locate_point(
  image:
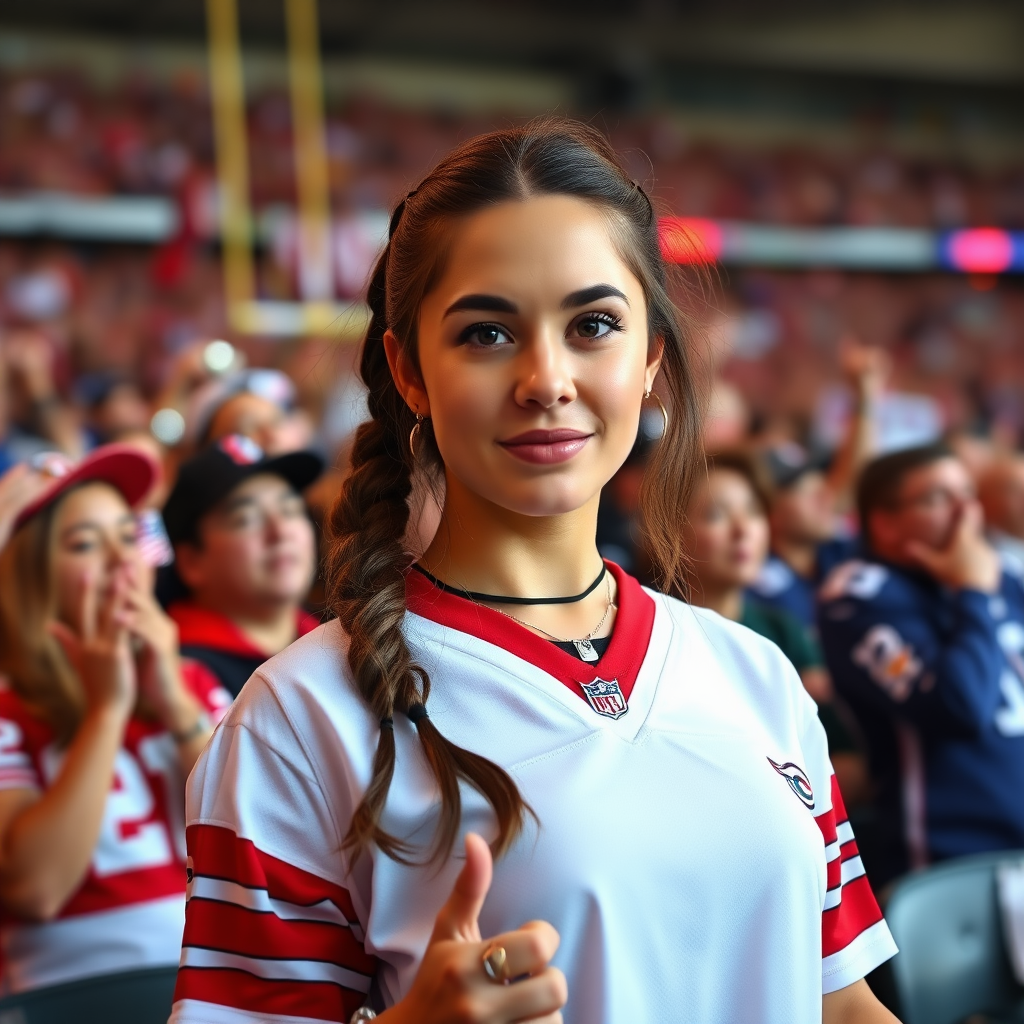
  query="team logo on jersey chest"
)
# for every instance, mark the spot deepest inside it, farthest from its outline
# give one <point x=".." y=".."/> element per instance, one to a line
<point x="605" y="697"/>
<point x="798" y="781"/>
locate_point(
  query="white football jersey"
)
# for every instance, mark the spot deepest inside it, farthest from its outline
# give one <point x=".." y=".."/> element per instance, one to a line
<point x="692" y="849"/>
<point x="129" y="908"/>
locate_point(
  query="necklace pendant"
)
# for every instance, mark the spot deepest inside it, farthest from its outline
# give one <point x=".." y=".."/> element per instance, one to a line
<point x="586" y="649"/>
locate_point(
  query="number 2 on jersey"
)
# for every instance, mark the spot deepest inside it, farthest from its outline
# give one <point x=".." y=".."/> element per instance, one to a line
<point x="127" y="841"/>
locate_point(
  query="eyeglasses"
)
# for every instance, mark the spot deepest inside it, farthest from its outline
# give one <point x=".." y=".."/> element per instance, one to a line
<point x="935" y="498"/>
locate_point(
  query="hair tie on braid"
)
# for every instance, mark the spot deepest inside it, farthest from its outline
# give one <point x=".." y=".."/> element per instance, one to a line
<point x="396" y="217"/>
<point x="387" y="723"/>
<point x="647" y="198"/>
<point x="416" y="713"/>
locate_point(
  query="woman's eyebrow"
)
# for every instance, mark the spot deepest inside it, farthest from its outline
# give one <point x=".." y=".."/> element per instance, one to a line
<point x="128" y="519"/>
<point x="592" y="294"/>
<point x="75" y="527"/>
<point x="487" y="303"/>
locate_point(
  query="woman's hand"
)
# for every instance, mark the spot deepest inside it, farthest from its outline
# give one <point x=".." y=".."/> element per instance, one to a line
<point x="97" y="645"/>
<point x="452" y="987"/>
<point x="155" y="638"/>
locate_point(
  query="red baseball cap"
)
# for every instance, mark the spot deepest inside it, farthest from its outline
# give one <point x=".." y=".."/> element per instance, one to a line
<point x="127" y="469"/>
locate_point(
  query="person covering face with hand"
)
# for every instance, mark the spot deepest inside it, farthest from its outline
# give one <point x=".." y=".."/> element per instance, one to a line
<point x="924" y="639"/>
<point x="424" y="810"/>
<point x="100" y="723"/>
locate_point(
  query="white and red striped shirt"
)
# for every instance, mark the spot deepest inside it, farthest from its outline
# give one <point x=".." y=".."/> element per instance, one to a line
<point x="692" y="849"/>
<point x="128" y="911"/>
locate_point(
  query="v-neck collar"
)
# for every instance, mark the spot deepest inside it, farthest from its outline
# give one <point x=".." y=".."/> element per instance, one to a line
<point x="634" y="623"/>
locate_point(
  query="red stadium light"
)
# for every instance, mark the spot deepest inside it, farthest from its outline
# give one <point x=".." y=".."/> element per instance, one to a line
<point x="980" y="250"/>
<point x="689" y="239"/>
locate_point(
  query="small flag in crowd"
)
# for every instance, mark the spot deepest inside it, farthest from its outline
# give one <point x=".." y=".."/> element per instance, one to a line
<point x="154" y="546"/>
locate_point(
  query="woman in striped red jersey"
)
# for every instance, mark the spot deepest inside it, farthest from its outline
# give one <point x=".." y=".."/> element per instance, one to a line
<point x="651" y="779"/>
<point x="100" y="723"/>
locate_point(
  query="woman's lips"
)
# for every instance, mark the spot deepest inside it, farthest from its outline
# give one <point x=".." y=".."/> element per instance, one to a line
<point x="546" y="447"/>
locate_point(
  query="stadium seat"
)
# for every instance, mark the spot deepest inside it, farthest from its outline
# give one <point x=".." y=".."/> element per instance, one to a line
<point x="134" y="997"/>
<point x="952" y="963"/>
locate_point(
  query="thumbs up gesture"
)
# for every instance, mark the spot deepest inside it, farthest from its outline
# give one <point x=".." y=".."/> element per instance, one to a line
<point x="453" y="987"/>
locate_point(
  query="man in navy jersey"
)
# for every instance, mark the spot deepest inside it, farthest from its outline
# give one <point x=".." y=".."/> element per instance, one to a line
<point x="925" y="640"/>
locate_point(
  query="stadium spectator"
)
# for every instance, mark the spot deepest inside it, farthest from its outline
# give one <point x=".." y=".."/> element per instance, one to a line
<point x="244" y="553"/>
<point x="726" y="545"/>
<point x="112" y="406"/>
<point x="924" y="641"/>
<point x="1001" y="493"/>
<point x="807" y="499"/>
<point x="100" y="723"/>
<point x="258" y="404"/>
<point x="33" y="416"/>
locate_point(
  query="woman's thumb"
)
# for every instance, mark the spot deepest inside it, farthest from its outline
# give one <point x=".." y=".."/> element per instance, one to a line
<point x="457" y="919"/>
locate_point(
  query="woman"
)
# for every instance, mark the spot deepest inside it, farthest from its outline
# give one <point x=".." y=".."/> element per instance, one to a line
<point x="100" y="724"/>
<point x="727" y="541"/>
<point x="652" y="780"/>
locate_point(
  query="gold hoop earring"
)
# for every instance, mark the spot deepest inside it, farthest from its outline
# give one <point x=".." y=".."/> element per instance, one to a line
<point x="413" y="434"/>
<point x="661" y="407"/>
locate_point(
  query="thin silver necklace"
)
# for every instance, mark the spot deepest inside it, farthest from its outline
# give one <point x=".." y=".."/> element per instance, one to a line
<point x="583" y="645"/>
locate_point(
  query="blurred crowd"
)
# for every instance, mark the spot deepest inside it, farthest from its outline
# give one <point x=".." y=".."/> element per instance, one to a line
<point x="59" y="132"/>
<point x="160" y="489"/>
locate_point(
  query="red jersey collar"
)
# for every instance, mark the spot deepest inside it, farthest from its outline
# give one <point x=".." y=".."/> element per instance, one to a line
<point x="202" y="627"/>
<point x="631" y="636"/>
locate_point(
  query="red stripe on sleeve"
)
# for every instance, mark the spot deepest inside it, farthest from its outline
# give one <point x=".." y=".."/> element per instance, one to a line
<point x="857" y="912"/>
<point x="233" y="929"/>
<point x="218" y="853"/>
<point x="858" y="909"/>
<point x="260" y="996"/>
<point x="826" y="822"/>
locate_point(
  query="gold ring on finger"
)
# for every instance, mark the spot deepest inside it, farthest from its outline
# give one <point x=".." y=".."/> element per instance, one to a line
<point x="494" y="962"/>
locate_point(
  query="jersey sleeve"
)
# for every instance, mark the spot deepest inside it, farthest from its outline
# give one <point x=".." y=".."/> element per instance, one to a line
<point x="271" y="932"/>
<point x="17" y="768"/>
<point x="884" y="650"/>
<point x="854" y="937"/>
<point x="207" y="688"/>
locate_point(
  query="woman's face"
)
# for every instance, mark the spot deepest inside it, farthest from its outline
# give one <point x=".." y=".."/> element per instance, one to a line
<point x="94" y="534"/>
<point x="534" y="357"/>
<point x="728" y="532"/>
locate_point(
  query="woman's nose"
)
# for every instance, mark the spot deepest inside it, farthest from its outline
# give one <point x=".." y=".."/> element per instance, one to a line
<point x="545" y="370"/>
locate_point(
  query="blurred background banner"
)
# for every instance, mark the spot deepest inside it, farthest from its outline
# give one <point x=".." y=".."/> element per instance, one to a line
<point x="172" y="173"/>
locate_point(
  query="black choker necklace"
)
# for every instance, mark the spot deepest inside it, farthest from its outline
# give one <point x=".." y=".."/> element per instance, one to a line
<point x="497" y="599"/>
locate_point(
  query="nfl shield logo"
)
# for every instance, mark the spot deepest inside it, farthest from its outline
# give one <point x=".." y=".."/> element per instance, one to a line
<point x="605" y="697"/>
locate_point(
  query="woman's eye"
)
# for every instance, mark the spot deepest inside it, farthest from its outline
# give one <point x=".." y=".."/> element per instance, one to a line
<point x="485" y="335"/>
<point x="597" y="326"/>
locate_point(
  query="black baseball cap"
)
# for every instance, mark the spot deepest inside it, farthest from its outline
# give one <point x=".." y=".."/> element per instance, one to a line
<point x="209" y="477"/>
